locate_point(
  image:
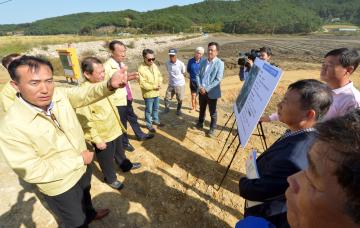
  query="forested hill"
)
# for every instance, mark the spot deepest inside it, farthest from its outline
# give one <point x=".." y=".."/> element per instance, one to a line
<point x="243" y="16"/>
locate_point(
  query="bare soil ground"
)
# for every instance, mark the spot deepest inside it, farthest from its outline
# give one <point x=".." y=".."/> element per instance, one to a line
<point x="176" y="187"/>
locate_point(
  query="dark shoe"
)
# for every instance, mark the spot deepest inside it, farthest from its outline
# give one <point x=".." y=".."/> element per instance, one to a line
<point x="101" y="213"/>
<point x="159" y="124"/>
<point x="126" y="165"/>
<point x="129" y="148"/>
<point x="151" y="129"/>
<point x="199" y="126"/>
<point x="146" y="137"/>
<point x="136" y="165"/>
<point x="211" y="133"/>
<point x="117" y="185"/>
<point x="178" y="112"/>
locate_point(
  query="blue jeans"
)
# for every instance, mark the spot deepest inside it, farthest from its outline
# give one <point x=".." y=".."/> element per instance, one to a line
<point x="151" y="111"/>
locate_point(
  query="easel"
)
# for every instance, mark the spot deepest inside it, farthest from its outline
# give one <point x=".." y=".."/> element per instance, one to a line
<point x="221" y="156"/>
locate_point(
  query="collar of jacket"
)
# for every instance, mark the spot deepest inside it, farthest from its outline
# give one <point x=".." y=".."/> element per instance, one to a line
<point x="86" y="82"/>
<point x="213" y="60"/>
<point x="113" y="63"/>
<point x="28" y="114"/>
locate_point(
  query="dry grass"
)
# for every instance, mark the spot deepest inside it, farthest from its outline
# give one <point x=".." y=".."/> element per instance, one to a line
<point x="4" y="76"/>
<point x="337" y="26"/>
<point x="187" y="37"/>
<point x="20" y="44"/>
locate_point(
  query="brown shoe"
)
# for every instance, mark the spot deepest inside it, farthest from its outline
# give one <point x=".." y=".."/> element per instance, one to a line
<point x="101" y="213"/>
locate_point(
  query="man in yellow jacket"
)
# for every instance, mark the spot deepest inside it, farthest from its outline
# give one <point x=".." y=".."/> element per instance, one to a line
<point x="42" y="140"/>
<point x="123" y="97"/>
<point x="103" y="128"/>
<point x="150" y="80"/>
<point x="7" y="92"/>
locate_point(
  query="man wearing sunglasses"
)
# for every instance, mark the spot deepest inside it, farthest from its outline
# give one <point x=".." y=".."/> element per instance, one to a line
<point x="150" y="80"/>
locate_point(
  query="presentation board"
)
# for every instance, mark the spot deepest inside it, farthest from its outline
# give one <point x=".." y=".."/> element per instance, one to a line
<point x="254" y="97"/>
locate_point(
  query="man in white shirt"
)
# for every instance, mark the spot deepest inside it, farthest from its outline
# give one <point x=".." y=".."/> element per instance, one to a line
<point x="339" y="64"/>
<point x="176" y="70"/>
<point x="336" y="69"/>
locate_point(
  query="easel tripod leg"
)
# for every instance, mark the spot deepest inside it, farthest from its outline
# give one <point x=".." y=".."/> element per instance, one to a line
<point x="227" y="139"/>
<point x="228" y="148"/>
<point x="222" y="129"/>
<point x="228" y="168"/>
<point x="263" y="135"/>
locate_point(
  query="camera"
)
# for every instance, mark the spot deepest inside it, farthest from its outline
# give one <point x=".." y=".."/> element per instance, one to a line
<point x="244" y="63"/>
<point x="252" y="55"/>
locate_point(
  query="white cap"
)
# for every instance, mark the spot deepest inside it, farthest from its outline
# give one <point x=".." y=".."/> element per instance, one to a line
<point x="200" y="50"/>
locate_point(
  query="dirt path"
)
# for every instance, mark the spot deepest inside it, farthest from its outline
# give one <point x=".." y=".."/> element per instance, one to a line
<point x="176" y="185"/>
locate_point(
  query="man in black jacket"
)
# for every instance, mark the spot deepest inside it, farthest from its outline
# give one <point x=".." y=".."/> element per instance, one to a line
<point x="305" y="102"/>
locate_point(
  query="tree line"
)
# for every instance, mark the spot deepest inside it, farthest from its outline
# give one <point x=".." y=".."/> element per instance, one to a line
<point x="242" y="16"/>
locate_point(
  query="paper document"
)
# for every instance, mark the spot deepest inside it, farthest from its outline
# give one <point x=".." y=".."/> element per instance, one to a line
<point x="252" y="173"/>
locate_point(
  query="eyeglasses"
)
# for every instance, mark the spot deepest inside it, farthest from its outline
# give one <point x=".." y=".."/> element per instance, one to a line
<point x="151" y="59"/>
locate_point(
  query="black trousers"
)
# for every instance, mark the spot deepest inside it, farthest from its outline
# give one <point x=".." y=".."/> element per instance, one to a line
<point x="114" y="150"/>
<point x="74" y="207"/>
<point x="204" y="100"/>
<point x="126" y="114"/>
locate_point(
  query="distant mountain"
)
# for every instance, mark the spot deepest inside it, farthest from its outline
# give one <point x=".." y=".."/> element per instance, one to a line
<point x="243" y="16"/>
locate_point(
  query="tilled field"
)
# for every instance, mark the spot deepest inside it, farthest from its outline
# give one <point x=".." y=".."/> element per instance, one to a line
<point x="290" y="53"/>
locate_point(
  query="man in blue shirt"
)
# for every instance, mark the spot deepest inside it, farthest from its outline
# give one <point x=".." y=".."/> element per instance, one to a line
<point x="193" y="68"/>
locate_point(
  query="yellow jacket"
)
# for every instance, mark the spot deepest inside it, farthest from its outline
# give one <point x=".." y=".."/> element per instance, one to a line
<point x="100" y="120"/>
<point x="40" y="151"/>
<point x="149" y="78"/>
<point x="119" y="98"/>
<point x="7" y="96"/>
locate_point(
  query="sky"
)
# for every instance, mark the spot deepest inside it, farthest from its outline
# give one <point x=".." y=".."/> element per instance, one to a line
<point x="23" y="11"/>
